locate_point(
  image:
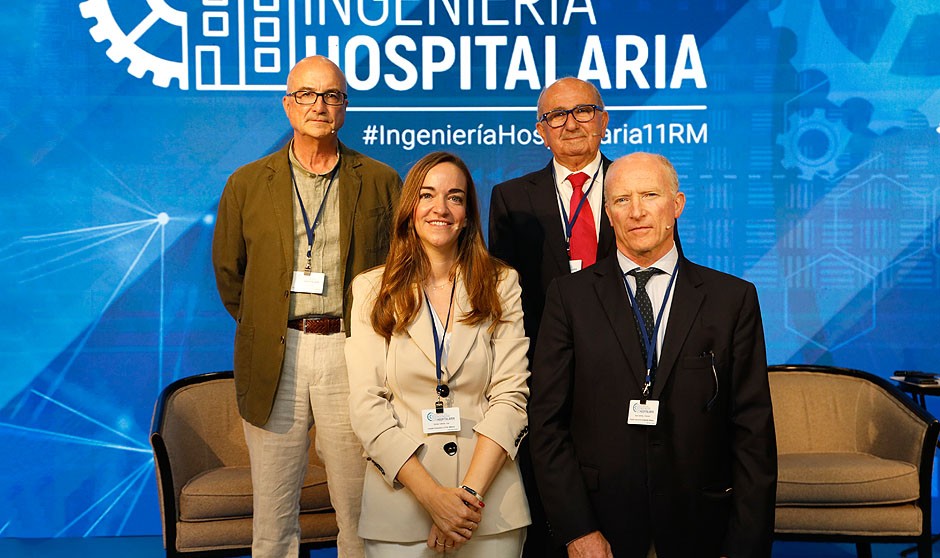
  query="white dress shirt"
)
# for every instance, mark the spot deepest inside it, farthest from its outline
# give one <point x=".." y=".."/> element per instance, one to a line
<point x="655" y="288"/>
<point x="595" y="195"/>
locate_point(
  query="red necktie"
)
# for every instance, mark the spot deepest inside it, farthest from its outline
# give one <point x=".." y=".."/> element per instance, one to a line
<point x="583" y="239"/>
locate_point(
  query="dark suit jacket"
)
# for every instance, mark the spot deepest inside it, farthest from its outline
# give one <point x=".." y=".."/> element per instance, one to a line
<point x="702" y="481"/>
<point x="526" y="231"/>
<point x="253" y="257"/>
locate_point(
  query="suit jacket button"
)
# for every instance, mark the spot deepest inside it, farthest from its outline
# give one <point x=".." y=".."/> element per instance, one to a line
<point x="450" y="448"/>
<point x="282" y="340"/>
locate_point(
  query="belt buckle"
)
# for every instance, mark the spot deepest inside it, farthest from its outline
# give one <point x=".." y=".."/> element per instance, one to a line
<point x="311" y="321"/>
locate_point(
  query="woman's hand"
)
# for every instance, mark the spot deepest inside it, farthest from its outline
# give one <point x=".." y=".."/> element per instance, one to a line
<point x="455" y="514"/>
<point x="437" y="541"/>
<point x="441" y="543"/>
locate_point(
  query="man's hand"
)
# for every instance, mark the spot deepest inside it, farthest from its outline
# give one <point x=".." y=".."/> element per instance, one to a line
<point x="592" y="545"/>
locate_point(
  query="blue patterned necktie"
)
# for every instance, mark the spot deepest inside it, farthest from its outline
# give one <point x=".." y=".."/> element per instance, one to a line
<point x="643" y="304"/>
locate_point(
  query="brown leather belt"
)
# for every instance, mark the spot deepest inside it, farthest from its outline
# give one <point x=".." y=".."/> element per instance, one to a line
<point x="322" y="325"/>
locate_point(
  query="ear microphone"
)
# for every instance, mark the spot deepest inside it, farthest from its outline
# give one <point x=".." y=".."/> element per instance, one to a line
<point x="668" y="227"/>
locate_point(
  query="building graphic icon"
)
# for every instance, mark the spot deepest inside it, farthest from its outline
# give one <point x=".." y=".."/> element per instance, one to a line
<point x="224" y="45"/>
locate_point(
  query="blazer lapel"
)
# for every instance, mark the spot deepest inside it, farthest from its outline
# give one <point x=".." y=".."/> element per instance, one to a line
<point x="421" y="333"/>
<point x="462" y="336"/>
<point x="686" y="304"/>
<point x="605" y="237"/>
<point x="281" y="190"/>
<point x="613" y="299"/>
<point x="544" y="200"/>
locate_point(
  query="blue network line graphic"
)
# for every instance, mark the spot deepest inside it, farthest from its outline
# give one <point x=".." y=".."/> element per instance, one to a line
<point x="134" y="480"/>
<point x="121" y="488"/>
<point x="47" y="257"/>
<point x="95" y="237"/>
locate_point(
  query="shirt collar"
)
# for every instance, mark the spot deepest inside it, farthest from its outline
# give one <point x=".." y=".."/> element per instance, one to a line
<point x="295" y="162"/>
<point x="562" y="172"/>
<point x="665" y="264"/>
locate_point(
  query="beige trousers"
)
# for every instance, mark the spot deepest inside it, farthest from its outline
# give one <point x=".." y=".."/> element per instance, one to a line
<point x="314" y="389"/>
<point x="501" y="545"/>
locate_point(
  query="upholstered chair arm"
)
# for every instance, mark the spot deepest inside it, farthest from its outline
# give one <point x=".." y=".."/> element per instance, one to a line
<point x="888" y="427"/>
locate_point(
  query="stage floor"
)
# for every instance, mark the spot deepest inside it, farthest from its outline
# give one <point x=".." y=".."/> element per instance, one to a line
<point x="152" y="547"/>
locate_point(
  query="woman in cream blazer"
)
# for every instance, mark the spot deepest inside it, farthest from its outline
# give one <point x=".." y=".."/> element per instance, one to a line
<point x="456" y="492"/>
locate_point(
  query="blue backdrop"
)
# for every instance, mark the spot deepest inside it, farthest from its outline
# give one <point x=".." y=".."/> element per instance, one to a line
<point x="805" y="133"/>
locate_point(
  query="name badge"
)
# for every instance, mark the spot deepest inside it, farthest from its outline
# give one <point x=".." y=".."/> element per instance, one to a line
<point x="574" y="265"/>
<point x="304" y="283"/>
<point x="435" y="423"/>
<point x="643" y="414"/>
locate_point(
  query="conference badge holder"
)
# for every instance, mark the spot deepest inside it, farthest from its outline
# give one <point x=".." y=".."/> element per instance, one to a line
<point x="440" y="419"/>
<point x="311" y="282"/>
<point x="643" y="412"/>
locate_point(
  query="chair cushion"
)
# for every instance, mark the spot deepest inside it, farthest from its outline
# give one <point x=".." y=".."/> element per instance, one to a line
<point x="225" y="493"/>
<point x="840" y="479"/>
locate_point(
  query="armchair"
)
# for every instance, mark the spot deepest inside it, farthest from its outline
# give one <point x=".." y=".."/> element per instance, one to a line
<point x="203" y="475"/>
<point x="855" y="458"/>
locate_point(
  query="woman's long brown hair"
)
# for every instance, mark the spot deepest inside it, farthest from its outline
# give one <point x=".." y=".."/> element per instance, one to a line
<point x="407" y="265"/>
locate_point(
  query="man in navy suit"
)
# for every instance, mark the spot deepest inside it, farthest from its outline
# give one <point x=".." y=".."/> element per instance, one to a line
<point x="536" y="226"/>
<point x="651" y="426"/>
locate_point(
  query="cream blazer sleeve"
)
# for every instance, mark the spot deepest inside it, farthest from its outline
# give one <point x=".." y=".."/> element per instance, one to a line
<point x="506" y="422"/>
<point x="371" y="412"/>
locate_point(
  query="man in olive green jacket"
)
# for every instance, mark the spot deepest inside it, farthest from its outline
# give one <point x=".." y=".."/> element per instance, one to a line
<point x="293" y="229"/>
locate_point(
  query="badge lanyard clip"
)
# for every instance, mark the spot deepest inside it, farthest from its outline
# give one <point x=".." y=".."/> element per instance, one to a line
<point x="441" y="389"/>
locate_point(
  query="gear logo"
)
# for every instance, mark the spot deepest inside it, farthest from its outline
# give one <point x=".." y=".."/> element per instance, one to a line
<point x="813" y="143"/>
<point x="124" y="43"/>
<point x="215" y="45"/>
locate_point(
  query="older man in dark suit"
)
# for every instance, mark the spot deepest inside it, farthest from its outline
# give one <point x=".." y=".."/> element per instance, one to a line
<point x="650" y="416"/>
<point x="550" y="222"/>
<point x="535" y="224"/>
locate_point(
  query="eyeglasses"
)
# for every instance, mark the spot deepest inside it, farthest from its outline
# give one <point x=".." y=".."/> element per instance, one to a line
<point x="581" y="113"/>
<point x="308" y="97"/>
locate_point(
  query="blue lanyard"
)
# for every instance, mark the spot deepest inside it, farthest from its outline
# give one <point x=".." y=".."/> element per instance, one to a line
<point x="438" y="342"/>
<point x="649" y="342"/>
<point x="303" y="210"/>
<point x="569" y="225"/>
